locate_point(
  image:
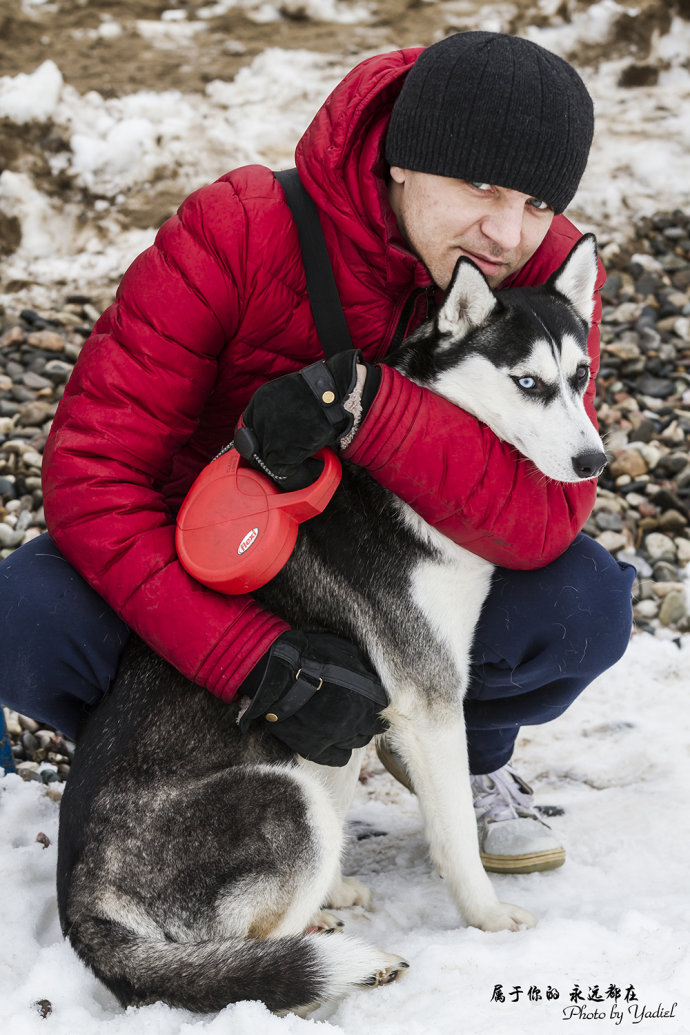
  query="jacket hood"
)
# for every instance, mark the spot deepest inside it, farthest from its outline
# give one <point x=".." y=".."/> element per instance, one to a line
<point x="341" y="162"/>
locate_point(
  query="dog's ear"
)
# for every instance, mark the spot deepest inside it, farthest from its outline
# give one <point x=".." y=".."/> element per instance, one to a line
<point x="576" y="277"/>
<point x="468" y="301"/>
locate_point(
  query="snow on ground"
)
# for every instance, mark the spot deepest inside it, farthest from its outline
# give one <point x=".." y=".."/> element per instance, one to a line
<point x="617" y="914"/>
<point x="119" y="146"/>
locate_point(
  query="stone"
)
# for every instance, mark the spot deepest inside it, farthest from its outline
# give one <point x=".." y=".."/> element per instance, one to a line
<point x="32" y="459"/>
<point x="27" y="723"/>
<point x="673" y="608"/>
<point x="629" y="462"/>
<point x="662" y="589"/>
<point x="650" y="452"/>
<point x="646" y="509"/>
<point x="623" y="350"/>
<point x="28" y="770"/>
<point x="35" y="413"/>
<point x="644" y="432"/>
<point x="609" y="522"/>
<point x="33" y="380"/>
<point x="13" y="336"/>
<point x="667" y="500"/>
<point x="660" y="547"/>
<point x="30" y="743"/>
<point x="646" y="588"/>
<point x="683" y="551"/>
<point x="646" y="609"/>
<point x="612" y="541"/>
<point x="672" y="521"/>
<point x="657" y="387"/>
<point x="681" y="327"/>
<point x="51" y="341"/>
<point x="57" y="370"/>
<point x="12" y="722"/>
<point x="9" y="537"/>
<point x="664" y="571"/>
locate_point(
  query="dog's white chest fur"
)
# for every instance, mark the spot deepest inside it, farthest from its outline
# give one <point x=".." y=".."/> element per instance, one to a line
<point x="449" y="590"/>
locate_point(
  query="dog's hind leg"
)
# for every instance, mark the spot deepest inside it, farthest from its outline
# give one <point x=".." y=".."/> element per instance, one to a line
<point x="223" y="918"/>
<point x="339" y="782"/>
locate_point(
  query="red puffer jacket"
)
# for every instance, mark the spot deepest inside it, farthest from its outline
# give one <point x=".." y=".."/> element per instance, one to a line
<point x="217" y="306"/>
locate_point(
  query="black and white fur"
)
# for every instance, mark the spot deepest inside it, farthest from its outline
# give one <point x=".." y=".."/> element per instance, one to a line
<point x="194" y="862"/>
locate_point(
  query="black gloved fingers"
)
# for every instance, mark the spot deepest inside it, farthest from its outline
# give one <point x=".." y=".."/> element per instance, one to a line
<point x="319" y="695"/>
<point x="329" y="726"/>
<point x="291" y="418"/>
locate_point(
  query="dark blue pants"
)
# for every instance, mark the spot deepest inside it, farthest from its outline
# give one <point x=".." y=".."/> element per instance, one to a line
<point x="542" y="638"/>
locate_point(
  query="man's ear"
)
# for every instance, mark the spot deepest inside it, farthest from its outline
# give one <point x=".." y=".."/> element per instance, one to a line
<point x="468" y="302"/>
<point x="397" y="174"/>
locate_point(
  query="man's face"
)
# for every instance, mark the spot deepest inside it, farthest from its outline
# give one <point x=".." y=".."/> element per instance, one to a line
<point x="442" y="218"/>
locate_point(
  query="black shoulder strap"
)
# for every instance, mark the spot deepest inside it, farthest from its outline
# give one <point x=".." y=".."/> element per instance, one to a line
<point x="321" y="287"/>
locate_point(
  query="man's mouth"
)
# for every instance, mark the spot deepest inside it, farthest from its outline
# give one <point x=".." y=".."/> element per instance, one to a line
<point x="490" y="267"/>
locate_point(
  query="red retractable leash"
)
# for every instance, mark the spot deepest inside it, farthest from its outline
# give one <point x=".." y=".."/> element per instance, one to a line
<point x="236" y="529"/>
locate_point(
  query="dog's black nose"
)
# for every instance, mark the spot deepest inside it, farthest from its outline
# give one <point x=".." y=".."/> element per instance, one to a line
<point x="589" y="465"/>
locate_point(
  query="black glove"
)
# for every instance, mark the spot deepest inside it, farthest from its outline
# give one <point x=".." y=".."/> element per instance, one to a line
<point x="290" y="419"/>
<point x="319" y="696"/>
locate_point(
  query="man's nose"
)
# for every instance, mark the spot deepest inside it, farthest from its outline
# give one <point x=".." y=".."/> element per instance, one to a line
<point x="504" y="224"/>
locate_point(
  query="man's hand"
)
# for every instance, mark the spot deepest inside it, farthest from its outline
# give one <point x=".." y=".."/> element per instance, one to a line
<point x="290" y="419"/>
<point x="319" y="696"/>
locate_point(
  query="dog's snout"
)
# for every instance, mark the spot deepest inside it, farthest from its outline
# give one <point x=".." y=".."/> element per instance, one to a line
<point x="590" y="464"/>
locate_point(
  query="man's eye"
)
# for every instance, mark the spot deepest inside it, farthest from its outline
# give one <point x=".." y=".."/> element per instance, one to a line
<point x="482" y="186"/>
<point x="541" y="206"/>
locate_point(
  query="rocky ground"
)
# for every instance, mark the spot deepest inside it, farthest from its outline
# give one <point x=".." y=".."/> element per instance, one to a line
<point x="642" y="513"/>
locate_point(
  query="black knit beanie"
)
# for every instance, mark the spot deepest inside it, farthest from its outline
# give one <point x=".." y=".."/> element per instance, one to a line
<point x="492" y="108"/>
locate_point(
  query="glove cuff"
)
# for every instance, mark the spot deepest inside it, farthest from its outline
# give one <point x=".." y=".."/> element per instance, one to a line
<point x="329" y="393"/>
<point x="291" y="679"/>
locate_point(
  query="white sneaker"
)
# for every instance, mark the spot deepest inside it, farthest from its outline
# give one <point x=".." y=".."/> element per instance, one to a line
<point x="512" y="836"/>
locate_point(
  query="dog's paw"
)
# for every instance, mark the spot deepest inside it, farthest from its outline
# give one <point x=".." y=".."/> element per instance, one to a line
<point x="392" y="967"/>
<point x="324" y="923"/>
<point x="506" y="918"/>
<point x="348" y="891"/>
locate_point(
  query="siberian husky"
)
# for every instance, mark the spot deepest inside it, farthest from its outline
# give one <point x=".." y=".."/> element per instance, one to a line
<point x="194" y="861"/>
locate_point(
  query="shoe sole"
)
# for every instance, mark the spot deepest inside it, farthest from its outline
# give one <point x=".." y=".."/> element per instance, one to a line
<point x="533" y="863"/>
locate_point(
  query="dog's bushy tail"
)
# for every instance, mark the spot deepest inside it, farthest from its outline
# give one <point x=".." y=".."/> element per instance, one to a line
<point x="204" y="977"/>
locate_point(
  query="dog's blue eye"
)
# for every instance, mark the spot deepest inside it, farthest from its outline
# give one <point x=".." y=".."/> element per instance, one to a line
<point x="527" y="382"/>
<point x="583" y="374"/>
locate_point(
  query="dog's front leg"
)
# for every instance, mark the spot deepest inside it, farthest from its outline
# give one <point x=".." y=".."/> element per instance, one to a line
<point x="434" y="750"/>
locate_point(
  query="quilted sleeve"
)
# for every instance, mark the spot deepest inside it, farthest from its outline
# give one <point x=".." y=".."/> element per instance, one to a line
<point x="464" y="481"/>
<point x="134" y="399"/>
